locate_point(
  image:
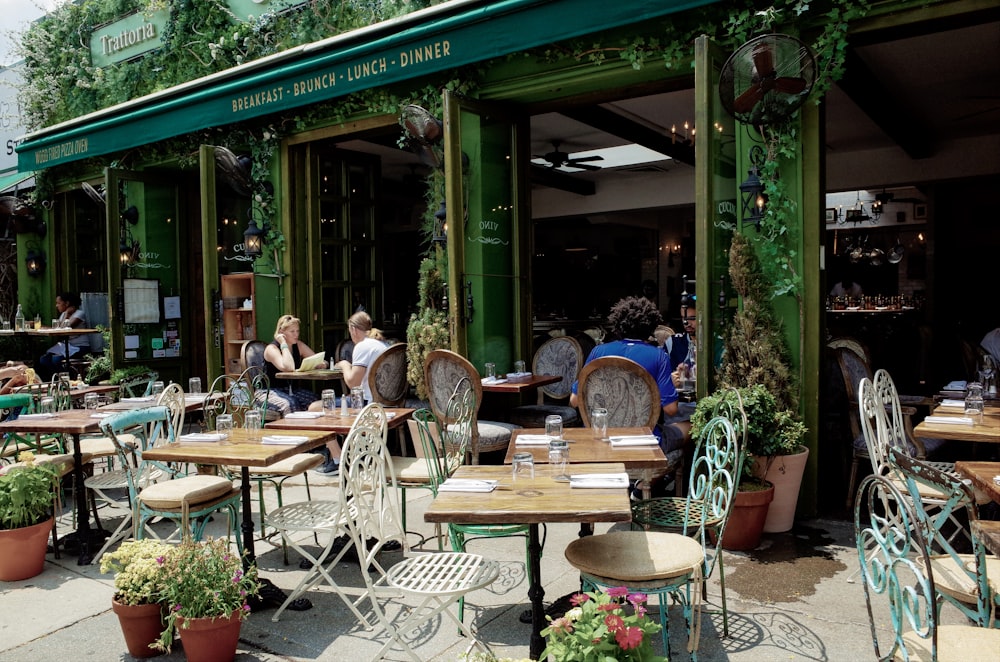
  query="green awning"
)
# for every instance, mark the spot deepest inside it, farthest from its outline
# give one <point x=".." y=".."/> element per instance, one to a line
<point x="428" y="41"/>
<point x="10" y="181"/>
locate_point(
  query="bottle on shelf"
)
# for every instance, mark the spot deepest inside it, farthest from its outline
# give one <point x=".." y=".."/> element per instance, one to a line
<point x="19" y="319"/>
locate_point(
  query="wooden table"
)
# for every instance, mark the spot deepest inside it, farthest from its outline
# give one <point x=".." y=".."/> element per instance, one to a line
<point x="988" y="431"/>
<point x="192" y="403"/>
<point x="73" y="422"/>
<point x="323" y="375"/>
<point x="508" y="395"/>
<point x="244" y="453"/>
<point x="982" y="474"/>
<point x="643" y="463"/>
<point x="517" y="388"/>
<point x="396" y="417"/>
<point x="543" y="500"/>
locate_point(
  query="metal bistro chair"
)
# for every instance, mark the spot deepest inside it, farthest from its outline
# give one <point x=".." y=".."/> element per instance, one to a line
<point x="969" y="581"/>
<point x="671" y="564"/>
<point x="895" y="563"/>
<point x="557" y="356"/>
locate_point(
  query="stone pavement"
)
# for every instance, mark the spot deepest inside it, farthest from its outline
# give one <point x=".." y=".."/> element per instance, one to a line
<point x="790" y="599"/>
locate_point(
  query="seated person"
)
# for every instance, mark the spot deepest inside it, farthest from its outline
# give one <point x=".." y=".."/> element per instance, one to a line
<point x="632" y="320"/>
<point x="14" y="376"/>
<point x="285" y="354"/>
<point x="70" y="316"/>
<point x="991" y="344"/>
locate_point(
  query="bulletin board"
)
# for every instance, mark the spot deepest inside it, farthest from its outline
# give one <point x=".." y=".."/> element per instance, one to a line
<point x="142" y="300"/>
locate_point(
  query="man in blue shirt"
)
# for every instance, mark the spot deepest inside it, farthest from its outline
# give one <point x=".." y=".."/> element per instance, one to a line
<point x="632" y="320"/>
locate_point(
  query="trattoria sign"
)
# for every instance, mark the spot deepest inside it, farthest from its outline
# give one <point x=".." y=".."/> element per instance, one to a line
<point x="128" y="37"/>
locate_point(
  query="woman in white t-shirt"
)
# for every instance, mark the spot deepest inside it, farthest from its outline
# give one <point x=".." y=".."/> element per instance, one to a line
<point x="369" y="343"/>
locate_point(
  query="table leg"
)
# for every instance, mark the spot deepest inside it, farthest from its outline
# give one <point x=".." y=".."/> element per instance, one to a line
<point x="536" y="593"/>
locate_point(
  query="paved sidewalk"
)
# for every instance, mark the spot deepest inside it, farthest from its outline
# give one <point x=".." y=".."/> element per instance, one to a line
<point x="789" y="600"/>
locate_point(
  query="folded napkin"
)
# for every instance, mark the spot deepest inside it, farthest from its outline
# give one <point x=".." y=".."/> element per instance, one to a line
<point x="635" y="440"/>
<point x="144" y="398"/>
<point x="390" y="414"/>
<point x="304" y="414"/>
<point x="599" y="480"/>
<point x="957" y="385"/>
<point x="532" y="440"/>
<point x="28" y="417"/>
<point x="493" y="380"/>
<point x="202" y="436"/>
<point x="952" y="402"/>
<point x="949" y="420"/>
<point x="467" y="485"/>
<point x="283" y="439"/>
<point x="99" y="415"/>
<point x="195" y="396"/>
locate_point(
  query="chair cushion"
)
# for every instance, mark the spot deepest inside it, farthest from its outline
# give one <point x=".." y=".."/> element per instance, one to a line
<point x="292" y="466"/>
<point x="412" y="470"/>
<point x="630" y="556"/>
<point x="64" y="462"/>
<point x="494" y="435"/>
<point x="955" y="642"/>
<point x="533" y="416"/>
<point x="192" y="489"/>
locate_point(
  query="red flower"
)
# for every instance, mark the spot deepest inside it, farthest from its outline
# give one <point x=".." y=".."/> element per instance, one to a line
<point x="614" y="622"/>
<point x="579" y="599"/>
<point x="629" y="638"/>
<point x="611" y="606"/>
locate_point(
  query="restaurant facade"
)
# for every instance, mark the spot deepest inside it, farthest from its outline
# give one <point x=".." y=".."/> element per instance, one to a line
<point x="159" y="202"/>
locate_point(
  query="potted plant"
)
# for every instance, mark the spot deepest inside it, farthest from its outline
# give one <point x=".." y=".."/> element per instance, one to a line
<point x="771" y="432"/>
<point x="27" y="495"/>
<point x="205" y="592"/>
<point x="139" y="580"/>
<point x="603" y="625"/>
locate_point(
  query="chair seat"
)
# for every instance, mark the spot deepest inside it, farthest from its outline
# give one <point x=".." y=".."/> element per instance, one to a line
<point x="635" y="556"/>
<point x="494" y="435"/>
<point x="955" y="643"/>
<point x="533" y="416"/>
<point x="411" y="471"/>
<point x="291" y="466"/>
<point x="190" y="489"/>
<point x="104" y="446"/>
<point x="64" y="462"/>
<point x="307" y="516"/>
<point x="954" y="581"/>
<point x="443" y="574"/>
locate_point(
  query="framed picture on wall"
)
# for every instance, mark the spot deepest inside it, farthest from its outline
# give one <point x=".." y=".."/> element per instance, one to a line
<point x="831" y="215"/>
<point x="919" y="211"/>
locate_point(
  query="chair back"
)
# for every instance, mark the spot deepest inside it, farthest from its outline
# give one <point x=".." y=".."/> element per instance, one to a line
<point x="445" y="446"/>
<point x="247" y="392"/>
<point x="894" y="558"/>
<point x="151" y="426"/>
<point x="252" y="355"/>
<point x="624" y="388"/>
<point x="892" y="411"/>
<point x="215" y="402"/>
<point x="447" y="373"/>
<point x="172" y="398"/>
<point x="387" y="376"/>
<point x="874" y="426"/>
<point x="558" y="356"/>
<point x="853" y="368"/>
<point x="715" y="473"/>
<point x="951" y="496"/>
<point x="139" y="385"/>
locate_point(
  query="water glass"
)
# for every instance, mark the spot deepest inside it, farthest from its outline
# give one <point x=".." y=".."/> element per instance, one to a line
<point x="90" y="401"/>
<point x="194" y="385"/>
<point x="329" y="402"/>
<point x="599" y="423"/>
<point x="357" y="397"/>
<point x="156" y="389"/>
<point x="974" y="404"/>
<point x="224" y="426"/>
<point x="47" y="405"/>
<point x="518" y="366"/>
<point x="6" y="325"/>
<point x="491" y="371"/>
<point x="523" y="465"/>
<point x="252" y="423"/>
<point x="559" y="458"/>
<point x="55" y="323"/>
<point x="554" y="427"/>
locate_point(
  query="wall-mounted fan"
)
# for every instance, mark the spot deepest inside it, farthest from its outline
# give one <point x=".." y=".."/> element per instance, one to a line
<point x="423" y="134"/>
<point x="235" y="170"/>
<point x="767" y="79"/>
<point x="559" y="159"/>
<point x="97" y="197"/>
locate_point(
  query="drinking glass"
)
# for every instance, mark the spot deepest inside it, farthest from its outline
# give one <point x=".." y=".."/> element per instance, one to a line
<point x="156" y="389"/>
<point x="252" y="423"/>
<point x="47" y="405"/>
<point x="559" y="458"/>
<point x="224" y="426"/>
<point x="357" y="397"/>
<point x="974" y="404"/>
<point x="194" y="385"/>
<point x="554" y="427"/>
<point x="55" y="323"/>
<point x="90" y="401"/>
<point x="523" y="465"/>
<point x="491" y="371"/>
<point x="329" y="402"/>
<point x="6" y="325"/>
<point x="519" y="366"/>
<point x="599" y="423"/>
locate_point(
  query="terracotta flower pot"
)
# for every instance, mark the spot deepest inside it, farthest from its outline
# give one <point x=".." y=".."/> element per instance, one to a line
<point x="22" y="551"/>
<point x="141" y="625"/>
<point x="746" y="521"/>
<point x="210" y="639"/>
<point x="785" y="473"/>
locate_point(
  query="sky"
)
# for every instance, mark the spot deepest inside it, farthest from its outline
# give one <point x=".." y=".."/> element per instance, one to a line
<point x="15" y="15"/>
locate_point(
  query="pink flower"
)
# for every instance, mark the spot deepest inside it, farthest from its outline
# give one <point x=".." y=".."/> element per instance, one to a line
<point x="562" y="626"/>
<point x="614" y="622"/>
<point x="638" y="598"/>
<point x="579" y="599"/>
<point x="617" y="591"/>
<point x="629" y="638"/>
<point x="640" y="611"/>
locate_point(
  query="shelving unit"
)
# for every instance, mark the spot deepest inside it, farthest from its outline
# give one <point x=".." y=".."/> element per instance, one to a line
<point x="239" y="323"/>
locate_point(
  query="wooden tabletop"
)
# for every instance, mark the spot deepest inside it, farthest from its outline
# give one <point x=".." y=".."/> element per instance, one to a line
<point x="542" y="500"/>
<point x="69" y="421"/>
<point x="338" y="424"/>
<point x="58" y="333"/>
<point x="520" y="387"/>
<point x="319" y="375"/>
<point x="988" y="431"/>
<point x="192" y="403"/>
<point x="583" y="447"/>
<point x="240" y="452"/>
<point x="981" y="474"/>
<point x="989" y="532"/>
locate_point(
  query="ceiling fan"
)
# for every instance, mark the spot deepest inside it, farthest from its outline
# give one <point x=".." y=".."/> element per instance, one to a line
<point x="559" y="159"/>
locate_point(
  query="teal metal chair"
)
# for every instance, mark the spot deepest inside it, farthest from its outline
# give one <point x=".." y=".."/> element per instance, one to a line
<point x="899" y="581"/>
<point x="671" y="565"/>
